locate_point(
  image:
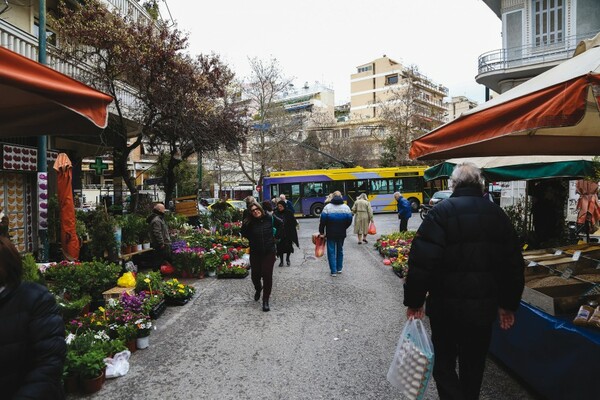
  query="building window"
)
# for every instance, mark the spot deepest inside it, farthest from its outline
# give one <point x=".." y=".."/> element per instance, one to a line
<point x="391" y="79"/>
<point x="346" y="133"/>
<point x="365" y="68"/>
<point x="336" y="134"/>
<point x="548" y="21"/>
<point x="50" y="35"/>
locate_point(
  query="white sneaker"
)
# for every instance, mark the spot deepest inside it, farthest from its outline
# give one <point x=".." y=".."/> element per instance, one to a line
<point x="339" y="272"/>
<point x="333" y="274"/>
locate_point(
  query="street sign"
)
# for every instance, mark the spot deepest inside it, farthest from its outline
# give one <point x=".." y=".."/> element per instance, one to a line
<point x="154" y="181"/>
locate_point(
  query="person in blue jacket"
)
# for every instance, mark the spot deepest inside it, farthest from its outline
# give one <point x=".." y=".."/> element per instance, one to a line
<point x="336" y="218"/>
<point x="404" y="211"/>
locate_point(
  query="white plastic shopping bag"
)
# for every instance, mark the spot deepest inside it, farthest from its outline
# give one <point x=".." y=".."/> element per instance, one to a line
<point x="412" y="365"/>
<point x="118" y="365"/>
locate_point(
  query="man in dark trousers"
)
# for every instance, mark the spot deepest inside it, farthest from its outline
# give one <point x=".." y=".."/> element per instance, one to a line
<point x="159" y="233"/>
<point x="404" y="211"/>
<point x="466" y="263"/>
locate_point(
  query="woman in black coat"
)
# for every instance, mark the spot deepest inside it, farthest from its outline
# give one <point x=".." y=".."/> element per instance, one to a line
<point x="258" y="229"/>
<point x="290" y="235"/>
<point x="32" y="334"/>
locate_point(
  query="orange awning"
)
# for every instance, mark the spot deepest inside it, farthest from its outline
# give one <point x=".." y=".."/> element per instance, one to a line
<point x="37" y="100"/>
<point x="555" y="113"/>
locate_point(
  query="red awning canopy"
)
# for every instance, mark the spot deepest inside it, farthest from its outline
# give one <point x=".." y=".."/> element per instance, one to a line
<point x="37" y="100"/>
<point x="555" y="113"/>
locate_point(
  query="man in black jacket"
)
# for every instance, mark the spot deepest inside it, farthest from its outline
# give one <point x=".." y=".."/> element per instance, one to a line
<point x="467" y="262"/>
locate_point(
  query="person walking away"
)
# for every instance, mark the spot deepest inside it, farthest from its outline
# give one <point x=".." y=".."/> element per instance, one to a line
<point x="258" y="229"/>
<point x="290" y="234"/>
<point x="363" y="216"/>
<point x="249" y="200"/>
<point x="335" y="219"/>
<point x="268" y="207"/>
<point x="32" y="334"/>
<point x="466" y="263"/>
<point x="159" y="233"/>
<point x="4" y="227"/>
<point x="404" y="211"/>
<point x="288" y="203"/>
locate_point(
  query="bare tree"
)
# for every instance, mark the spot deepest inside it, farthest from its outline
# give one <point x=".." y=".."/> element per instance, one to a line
<point x="270" y="125"/>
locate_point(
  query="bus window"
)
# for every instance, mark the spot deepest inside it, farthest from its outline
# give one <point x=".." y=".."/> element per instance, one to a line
<point x="381" y="186"/>
<point x="314" y="189"/>
<point x="292" y="193"/>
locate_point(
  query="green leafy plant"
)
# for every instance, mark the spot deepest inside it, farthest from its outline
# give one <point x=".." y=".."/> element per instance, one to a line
<point x="173" y="289"/>
<point x="102" y="232"/>
<point x="31" y="273"/>
<point x="73" y="308"/>
<point x="91" y="364"/>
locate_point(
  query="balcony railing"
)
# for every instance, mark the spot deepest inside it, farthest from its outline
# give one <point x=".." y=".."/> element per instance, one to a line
<point x="524" y="56"/>
<point x="129" y="7"/>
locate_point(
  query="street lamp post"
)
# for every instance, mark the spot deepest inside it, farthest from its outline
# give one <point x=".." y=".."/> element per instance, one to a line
<point x="42" y="141"/>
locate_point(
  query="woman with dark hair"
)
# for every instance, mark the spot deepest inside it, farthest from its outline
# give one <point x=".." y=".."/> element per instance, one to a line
<point x="258" y="229"/>
<point x="267" y="206"/>
<point x="290" y="235"/>
<point x="32" y="334"/>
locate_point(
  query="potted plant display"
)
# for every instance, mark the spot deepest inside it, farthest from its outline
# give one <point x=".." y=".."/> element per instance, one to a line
<point x="177" y="293"/>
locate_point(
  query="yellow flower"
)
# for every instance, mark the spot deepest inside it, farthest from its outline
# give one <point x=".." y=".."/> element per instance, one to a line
<point x="101" y="309"/>
<point x="180" y="286"/>
<point x="181" y="291"/>
<point x="175" y="280"/>
<point x="147" y="280"/>
<point x="170" y="283"/>
<point x="98" y="323"/>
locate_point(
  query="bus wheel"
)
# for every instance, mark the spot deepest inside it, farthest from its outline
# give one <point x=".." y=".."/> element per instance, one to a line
<point x="414" y="204"/>
<point x="316" y="209"/>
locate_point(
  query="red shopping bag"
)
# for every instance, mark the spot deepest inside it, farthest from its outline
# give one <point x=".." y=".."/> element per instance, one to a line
<point x="372" y="230"/>
<point x="319" y="246"/>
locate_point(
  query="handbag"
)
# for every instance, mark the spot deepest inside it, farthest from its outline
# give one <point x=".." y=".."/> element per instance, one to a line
<point x="372" y="230"/>
<point x="319" y="246"/>
<point x="412" y="365"/>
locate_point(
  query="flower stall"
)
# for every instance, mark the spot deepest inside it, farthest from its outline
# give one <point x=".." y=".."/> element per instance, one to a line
<point x="395" y="249"/>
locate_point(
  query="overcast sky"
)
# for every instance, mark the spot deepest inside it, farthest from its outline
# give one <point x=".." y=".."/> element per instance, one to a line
<point x="325" y="40"/>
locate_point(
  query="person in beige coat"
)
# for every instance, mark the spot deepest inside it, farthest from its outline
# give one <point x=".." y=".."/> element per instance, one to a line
<point x="363" y="215"/>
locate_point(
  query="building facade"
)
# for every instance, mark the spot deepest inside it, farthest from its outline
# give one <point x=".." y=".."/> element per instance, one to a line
<point x="536" y="36"/>
<point x="457" y="106"/>
<point x="378" y="81"/>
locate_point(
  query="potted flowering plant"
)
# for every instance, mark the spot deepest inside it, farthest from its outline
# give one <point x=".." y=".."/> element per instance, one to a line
<point x="144" y="327"/>
<point x="236" y="269"/>
<point x="177" y="293"/>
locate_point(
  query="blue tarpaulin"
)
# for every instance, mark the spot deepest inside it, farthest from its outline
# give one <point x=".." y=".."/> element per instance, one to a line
<point x="559" y="360"/>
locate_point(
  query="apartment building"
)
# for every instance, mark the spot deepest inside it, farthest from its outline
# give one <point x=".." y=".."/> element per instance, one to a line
<point x="378" y="81"/>
<point x="536" y="36"/>
<point x="458" y="105"/>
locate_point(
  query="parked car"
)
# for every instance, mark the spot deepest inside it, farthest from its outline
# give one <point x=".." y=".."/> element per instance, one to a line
<point x="237" y="204"/>
<point x="439" y="196"/>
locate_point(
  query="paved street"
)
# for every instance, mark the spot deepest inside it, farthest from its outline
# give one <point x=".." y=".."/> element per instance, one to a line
<point x="325" y="337"/>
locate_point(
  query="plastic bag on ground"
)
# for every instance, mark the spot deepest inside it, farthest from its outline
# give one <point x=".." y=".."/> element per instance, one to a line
<point x="412" y="365"/>
<point x="118" y="365"/>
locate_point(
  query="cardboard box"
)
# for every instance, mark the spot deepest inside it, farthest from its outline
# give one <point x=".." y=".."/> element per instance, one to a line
<point x="558" y="300"/>
<point x="116" y="292"/>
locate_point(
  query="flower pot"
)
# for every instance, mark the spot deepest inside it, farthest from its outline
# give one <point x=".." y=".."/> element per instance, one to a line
<point x="145" y="246"/>
<point x="138" y="247"/>
<point x="212" y="273"/>
<point x="71" y="384"/>
<point x="142" y="342"/>
<point x="131" y="345"/>
<point x="89" y="386"/>
<point x="176" y="302"/>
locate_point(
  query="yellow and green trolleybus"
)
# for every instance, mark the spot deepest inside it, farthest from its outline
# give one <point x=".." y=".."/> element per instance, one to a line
<point x="307" y="189"/>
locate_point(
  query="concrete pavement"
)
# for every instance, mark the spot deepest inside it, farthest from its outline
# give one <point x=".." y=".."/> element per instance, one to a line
<point x="324" y="338"/>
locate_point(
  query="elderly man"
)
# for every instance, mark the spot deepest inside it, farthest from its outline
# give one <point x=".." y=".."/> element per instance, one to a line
<point x="159" y="233"/>
<point x="467" y="262"/>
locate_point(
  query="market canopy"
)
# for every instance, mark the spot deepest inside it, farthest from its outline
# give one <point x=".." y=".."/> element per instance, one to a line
<point x="37" y="100"/>
<point x="518" y="168"/>
<point x="554" y="113"/>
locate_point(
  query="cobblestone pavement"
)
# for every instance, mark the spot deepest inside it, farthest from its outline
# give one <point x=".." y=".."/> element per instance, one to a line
<point x="325" y="337"/>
